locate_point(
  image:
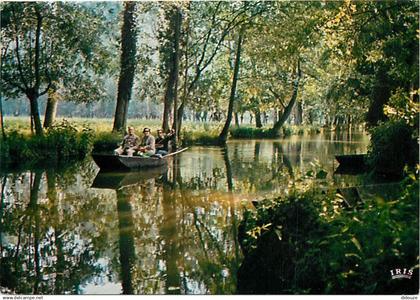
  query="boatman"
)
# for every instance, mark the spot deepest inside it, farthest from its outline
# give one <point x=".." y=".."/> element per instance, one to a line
<point x="162" y="143"/>
<point x="147" y="147"/>
<point x="129" y="143"/>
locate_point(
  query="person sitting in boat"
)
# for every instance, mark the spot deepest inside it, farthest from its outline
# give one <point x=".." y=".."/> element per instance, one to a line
<point x="162" y="143"/>
<point x="129" y="144"/>
<point x="147" y="146"/>
<point x="172" y="140"/>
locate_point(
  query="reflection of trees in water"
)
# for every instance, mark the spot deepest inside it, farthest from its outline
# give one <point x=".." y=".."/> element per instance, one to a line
<point x="44" y="249"/>
<point x="171" y="234"/>
<point x="182" y="240"/>
<point x="126" y="240"/>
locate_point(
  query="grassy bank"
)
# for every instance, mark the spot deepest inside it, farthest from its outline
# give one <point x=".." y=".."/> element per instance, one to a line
<point x="75" y="137"/>
<point x="267" y="133"/>
<point x="61" y="142"/>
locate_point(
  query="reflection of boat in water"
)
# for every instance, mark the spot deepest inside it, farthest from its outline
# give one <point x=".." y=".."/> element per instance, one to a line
<point x="116" y="180"/>
<point x="124" y="162"/>
<point x="351" y="164"/>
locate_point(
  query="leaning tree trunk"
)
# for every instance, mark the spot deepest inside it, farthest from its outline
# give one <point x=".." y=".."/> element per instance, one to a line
<point x="288" y="109"/>
<point x="127" y="66"/>
<point x="224" y="134"/>
<point x="51" y="109"/>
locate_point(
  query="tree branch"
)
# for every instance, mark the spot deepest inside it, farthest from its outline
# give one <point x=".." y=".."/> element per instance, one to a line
<point x="14" y="84"/>
<point x="277" y="96"/>
<point x="22" y="77"/>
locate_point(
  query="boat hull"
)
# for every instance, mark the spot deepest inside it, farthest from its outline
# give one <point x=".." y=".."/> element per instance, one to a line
<point x="123" y="162"/>
<point x="110" y="162"/>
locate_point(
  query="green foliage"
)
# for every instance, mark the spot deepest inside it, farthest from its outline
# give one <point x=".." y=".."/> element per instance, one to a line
<point x="250" y="133"/>
<point x="402" y="106"/>
<point x="106" y="141"/>
<point x="392" y="147"/>
<point x="265" y="133"/>
<point x="189" y="138"/>
<point x="308" y="243"/>
<point x="61" y="142"/>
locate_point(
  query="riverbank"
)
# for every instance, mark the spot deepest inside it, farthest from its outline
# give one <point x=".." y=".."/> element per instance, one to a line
<point x="313" y="242"/>
<point x="79" y="136"/>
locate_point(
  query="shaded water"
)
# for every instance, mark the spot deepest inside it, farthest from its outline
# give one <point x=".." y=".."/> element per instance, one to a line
<point x="166" y="231"/>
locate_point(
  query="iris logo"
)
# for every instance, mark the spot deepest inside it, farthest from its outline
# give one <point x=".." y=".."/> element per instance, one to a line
<point x="401" y="273"/>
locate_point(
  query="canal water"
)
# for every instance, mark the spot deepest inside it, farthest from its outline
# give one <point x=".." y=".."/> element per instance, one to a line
<point x="166" y="231"/>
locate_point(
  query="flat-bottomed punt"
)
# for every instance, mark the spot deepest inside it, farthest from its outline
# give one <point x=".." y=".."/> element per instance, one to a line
<point x="123" y="162"/>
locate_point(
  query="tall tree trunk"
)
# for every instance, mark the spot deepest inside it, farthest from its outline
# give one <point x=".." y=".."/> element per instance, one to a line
<point x="177" y="35"/>
<point x="288" y="109"/>
<point x="33" y="101"/>
<point x="224" y="134"/>
<point x="258" y="122"/>
<point x="51" y="109"/>
<point x="299" y="113"/>
<point x="3" y="133"/>
<point x="33" y="93"/>
<point x="173" y="63"/>
<point x="185" y="92"/>
<point x="127" y="66"/>
<point x="236" y="119"/>
<point x="380" y="96"/>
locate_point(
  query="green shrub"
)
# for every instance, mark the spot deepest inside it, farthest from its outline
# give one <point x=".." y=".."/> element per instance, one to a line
<point x="208" y="138"/>
<point x="60" y="142"/>
<point x="392" y="147"/>
<point x="287" y="131"/>
<point x="106" y="142"/>
<point x="250" y="133"/>
<point x="307" y="243"/>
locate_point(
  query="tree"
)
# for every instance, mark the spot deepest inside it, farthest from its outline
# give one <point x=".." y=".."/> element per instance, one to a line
<point x="170" y="51"/>
<point x="379" y="38"/>
<point x="127" y="66"/>
<point x="288" y="108"/>
<point x="47" y="43"/>
<point x="224" y="134"/>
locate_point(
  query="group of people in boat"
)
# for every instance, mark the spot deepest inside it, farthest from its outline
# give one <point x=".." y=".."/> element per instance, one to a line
<point x="147" y="146"/>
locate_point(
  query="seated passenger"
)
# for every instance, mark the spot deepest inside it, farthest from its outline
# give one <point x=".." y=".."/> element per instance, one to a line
<point x="171" y="136"/>
<point x="129" y="144"/>
<point x="147" y="146"/>
<point x="162" y="143"/>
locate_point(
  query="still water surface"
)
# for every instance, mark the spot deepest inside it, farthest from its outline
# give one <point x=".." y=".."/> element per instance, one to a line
<point x="166" y="231"/>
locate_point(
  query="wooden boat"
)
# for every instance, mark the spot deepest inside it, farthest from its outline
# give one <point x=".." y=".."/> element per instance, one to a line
<point x="116" y="180"/>
<point x="124" y="162"/>
<point x="352" y="162"/>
